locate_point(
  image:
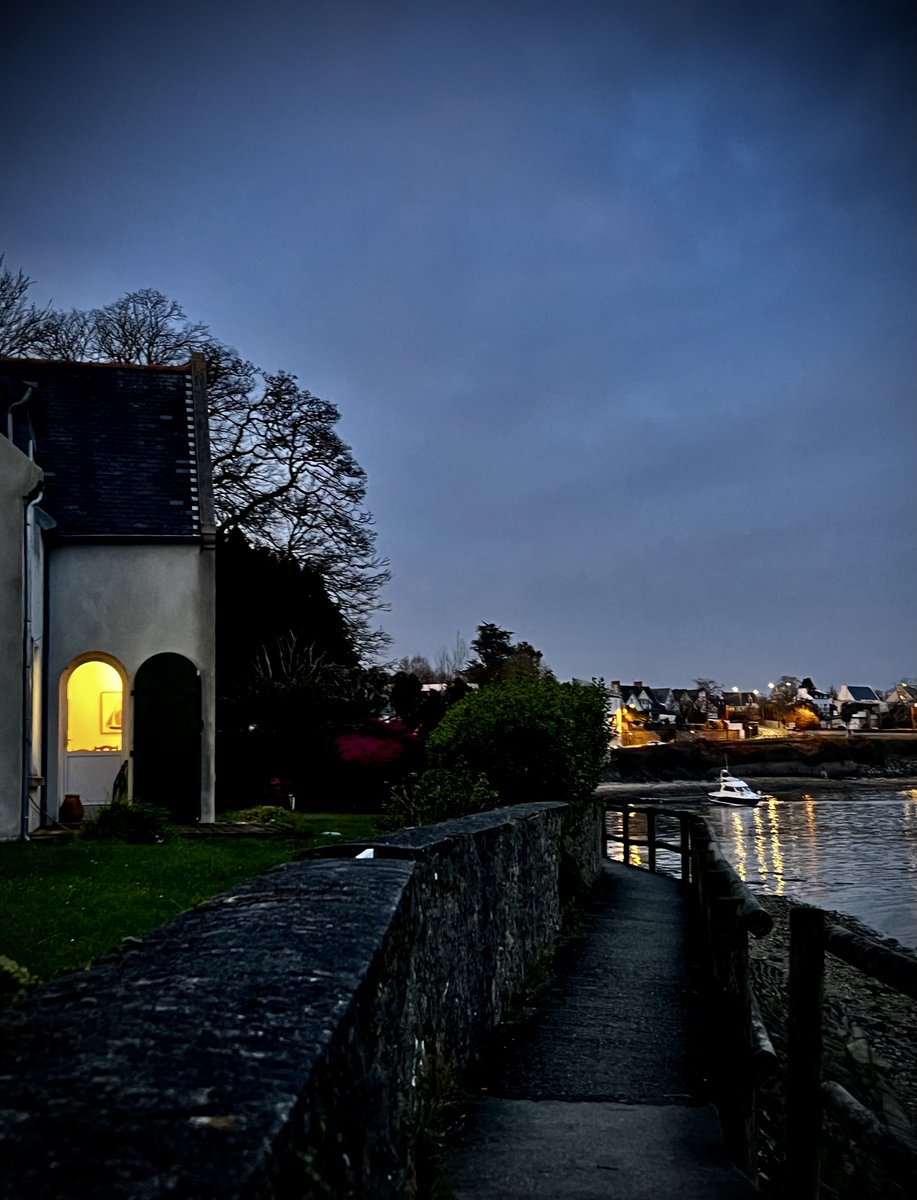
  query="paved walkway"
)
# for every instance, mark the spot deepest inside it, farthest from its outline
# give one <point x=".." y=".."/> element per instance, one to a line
<point x="597" y="1093"/>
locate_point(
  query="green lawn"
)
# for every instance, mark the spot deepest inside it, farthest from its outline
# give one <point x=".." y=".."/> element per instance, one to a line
<point x="65" y="904"/>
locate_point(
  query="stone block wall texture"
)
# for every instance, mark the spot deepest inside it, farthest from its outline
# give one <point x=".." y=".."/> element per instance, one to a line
<point x="289" y="1038"/>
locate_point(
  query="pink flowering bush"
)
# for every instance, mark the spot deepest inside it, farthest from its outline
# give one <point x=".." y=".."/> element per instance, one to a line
<point x="379" y="744"/>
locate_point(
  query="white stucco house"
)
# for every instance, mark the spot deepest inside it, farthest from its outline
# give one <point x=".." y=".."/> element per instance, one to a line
<point x="869" y="705"/>
<point x="821" y="700"/>
<point x="107" y="546"/>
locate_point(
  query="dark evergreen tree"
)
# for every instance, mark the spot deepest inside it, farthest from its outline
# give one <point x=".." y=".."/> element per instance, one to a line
<point x="499" y="658"/>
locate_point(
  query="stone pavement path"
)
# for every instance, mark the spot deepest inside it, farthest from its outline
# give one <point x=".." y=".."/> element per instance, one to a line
<point x="596" y="1092"/>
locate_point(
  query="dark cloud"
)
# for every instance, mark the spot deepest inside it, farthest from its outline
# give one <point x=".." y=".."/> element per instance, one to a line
<point x="617" y="300"/>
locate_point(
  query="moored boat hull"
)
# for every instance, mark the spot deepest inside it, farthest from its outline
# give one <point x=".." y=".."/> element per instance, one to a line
<point x="734" y="792"/>
<point x="735" y="801"/>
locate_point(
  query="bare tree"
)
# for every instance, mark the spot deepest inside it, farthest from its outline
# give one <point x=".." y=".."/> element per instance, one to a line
<point x="66" y="336"/>
<point x="281" y="473"/>
<point x="146" y="327"/>
<point x="783" y="693"/>
<point x="417" y="665"/>
<point x="451" y="660"/>
<point x="20" y="321"/>
<point x="710" y="687"/>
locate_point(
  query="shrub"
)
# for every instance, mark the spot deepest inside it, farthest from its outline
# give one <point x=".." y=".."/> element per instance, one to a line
<point x="531" y="739"/>
<point x="379" y="744"/>
<point x="805" y="718"/>
<point x="14" y="979"/>
<point x="437" y="795"/>
<point x="140" y="824"/>
<point x="262" y="814"/>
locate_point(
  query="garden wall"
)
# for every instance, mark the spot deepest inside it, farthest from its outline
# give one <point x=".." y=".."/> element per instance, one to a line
<point x="292" y="1037"/>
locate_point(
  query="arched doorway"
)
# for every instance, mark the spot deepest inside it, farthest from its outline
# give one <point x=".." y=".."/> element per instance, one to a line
<point x="167" y="736"/>
<point x="94" y="724"/>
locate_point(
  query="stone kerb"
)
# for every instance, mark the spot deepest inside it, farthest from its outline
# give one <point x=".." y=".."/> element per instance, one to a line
<point x="288" y="1038"/>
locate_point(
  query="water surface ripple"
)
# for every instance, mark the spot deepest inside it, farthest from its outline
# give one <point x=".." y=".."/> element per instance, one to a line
<point x="853" y="850"/>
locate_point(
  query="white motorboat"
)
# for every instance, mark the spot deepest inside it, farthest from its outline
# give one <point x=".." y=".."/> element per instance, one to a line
<point x="734" y="791"/>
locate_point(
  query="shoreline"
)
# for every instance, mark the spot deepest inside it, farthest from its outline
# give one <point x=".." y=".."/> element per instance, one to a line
<point x="803" y="783"/>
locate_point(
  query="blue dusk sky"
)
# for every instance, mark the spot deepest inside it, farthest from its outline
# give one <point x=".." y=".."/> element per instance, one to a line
<point x="617" y="300"/>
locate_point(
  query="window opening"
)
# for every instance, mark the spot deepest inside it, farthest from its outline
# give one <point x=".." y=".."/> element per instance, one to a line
<point x="95" y="696"/>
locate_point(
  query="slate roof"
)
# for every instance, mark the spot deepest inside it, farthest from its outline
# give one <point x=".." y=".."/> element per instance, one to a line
<point x="862" y="693"/>
<point x="651" y="705"/>
<point x="118" y="451"/>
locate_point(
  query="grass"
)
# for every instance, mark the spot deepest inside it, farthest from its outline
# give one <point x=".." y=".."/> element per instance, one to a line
<point x="64" y="904"/>
<point x="322" y="827"/>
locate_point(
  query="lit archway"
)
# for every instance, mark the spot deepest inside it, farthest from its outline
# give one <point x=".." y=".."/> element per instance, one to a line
<point x="93" y="728"/>
<point x="95" y="702"/>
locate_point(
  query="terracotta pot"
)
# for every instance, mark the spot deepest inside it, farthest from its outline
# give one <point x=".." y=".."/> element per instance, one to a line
<point x="71" y="810"/>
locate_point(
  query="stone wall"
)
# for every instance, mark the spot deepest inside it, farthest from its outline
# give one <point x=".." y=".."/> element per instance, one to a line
<point x="292" y="1037"/>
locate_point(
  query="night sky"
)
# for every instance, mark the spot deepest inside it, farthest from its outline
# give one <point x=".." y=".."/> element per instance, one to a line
<point x="617" y="300"/>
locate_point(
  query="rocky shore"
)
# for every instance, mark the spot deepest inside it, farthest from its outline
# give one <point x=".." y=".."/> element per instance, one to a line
<point x="869" y="1048"/>
<point x="768" y="760"/>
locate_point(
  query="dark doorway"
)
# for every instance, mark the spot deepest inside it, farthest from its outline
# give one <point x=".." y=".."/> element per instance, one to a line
<point x="167" y="736"/>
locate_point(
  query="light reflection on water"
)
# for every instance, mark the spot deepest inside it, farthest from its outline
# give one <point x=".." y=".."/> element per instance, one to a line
<point x="853" y="851"/>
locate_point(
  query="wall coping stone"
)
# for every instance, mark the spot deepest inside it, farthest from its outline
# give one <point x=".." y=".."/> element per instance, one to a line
<point x="287" y="1038"/>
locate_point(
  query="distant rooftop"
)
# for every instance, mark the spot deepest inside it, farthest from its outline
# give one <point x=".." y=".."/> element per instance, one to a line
<point x="861" y="693"/>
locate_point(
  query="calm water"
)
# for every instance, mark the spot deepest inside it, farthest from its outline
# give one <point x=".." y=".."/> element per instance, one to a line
<point x="853" y="850"/>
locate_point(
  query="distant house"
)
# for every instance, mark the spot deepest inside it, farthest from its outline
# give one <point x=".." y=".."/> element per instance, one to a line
<point x="695" y="706"/>
<point x="615" y="706"/>
<point x="647" y="704"/>
<point x="902" y="693"/>
<point x="865" y="705"/>
<point x="808" y="693"/>
<point x="665" y="698"/>
<point x="856" y="694"/>
<point x="107" y="608"/>
<point x="902" y="705"/>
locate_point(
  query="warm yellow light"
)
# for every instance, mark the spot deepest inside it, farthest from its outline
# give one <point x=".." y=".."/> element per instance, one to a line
<point x="94" y="702"/>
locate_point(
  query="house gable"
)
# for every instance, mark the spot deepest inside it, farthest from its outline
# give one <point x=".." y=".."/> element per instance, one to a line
<point x="129" y="562"/>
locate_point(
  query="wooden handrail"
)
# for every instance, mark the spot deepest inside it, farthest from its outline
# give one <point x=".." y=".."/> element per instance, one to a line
<point x="754" y="916"/>
<point x="895" y="1151"/>
<point x="810" y="938"/>
<point x="896" y="970"/>
<point x="765" y="1055"/>
<point x="651" y="842"/>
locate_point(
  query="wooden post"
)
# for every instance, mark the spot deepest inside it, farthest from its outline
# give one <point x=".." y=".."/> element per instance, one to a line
<point x="625" y="834"/>
<point x="804" y="1049"/>
<point x="738" y="1084"/>
<point x="715" y="887"/>
<point x="685" y="850"/>
<point x="651" y="839"/>
<point x="697" y="865"/>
